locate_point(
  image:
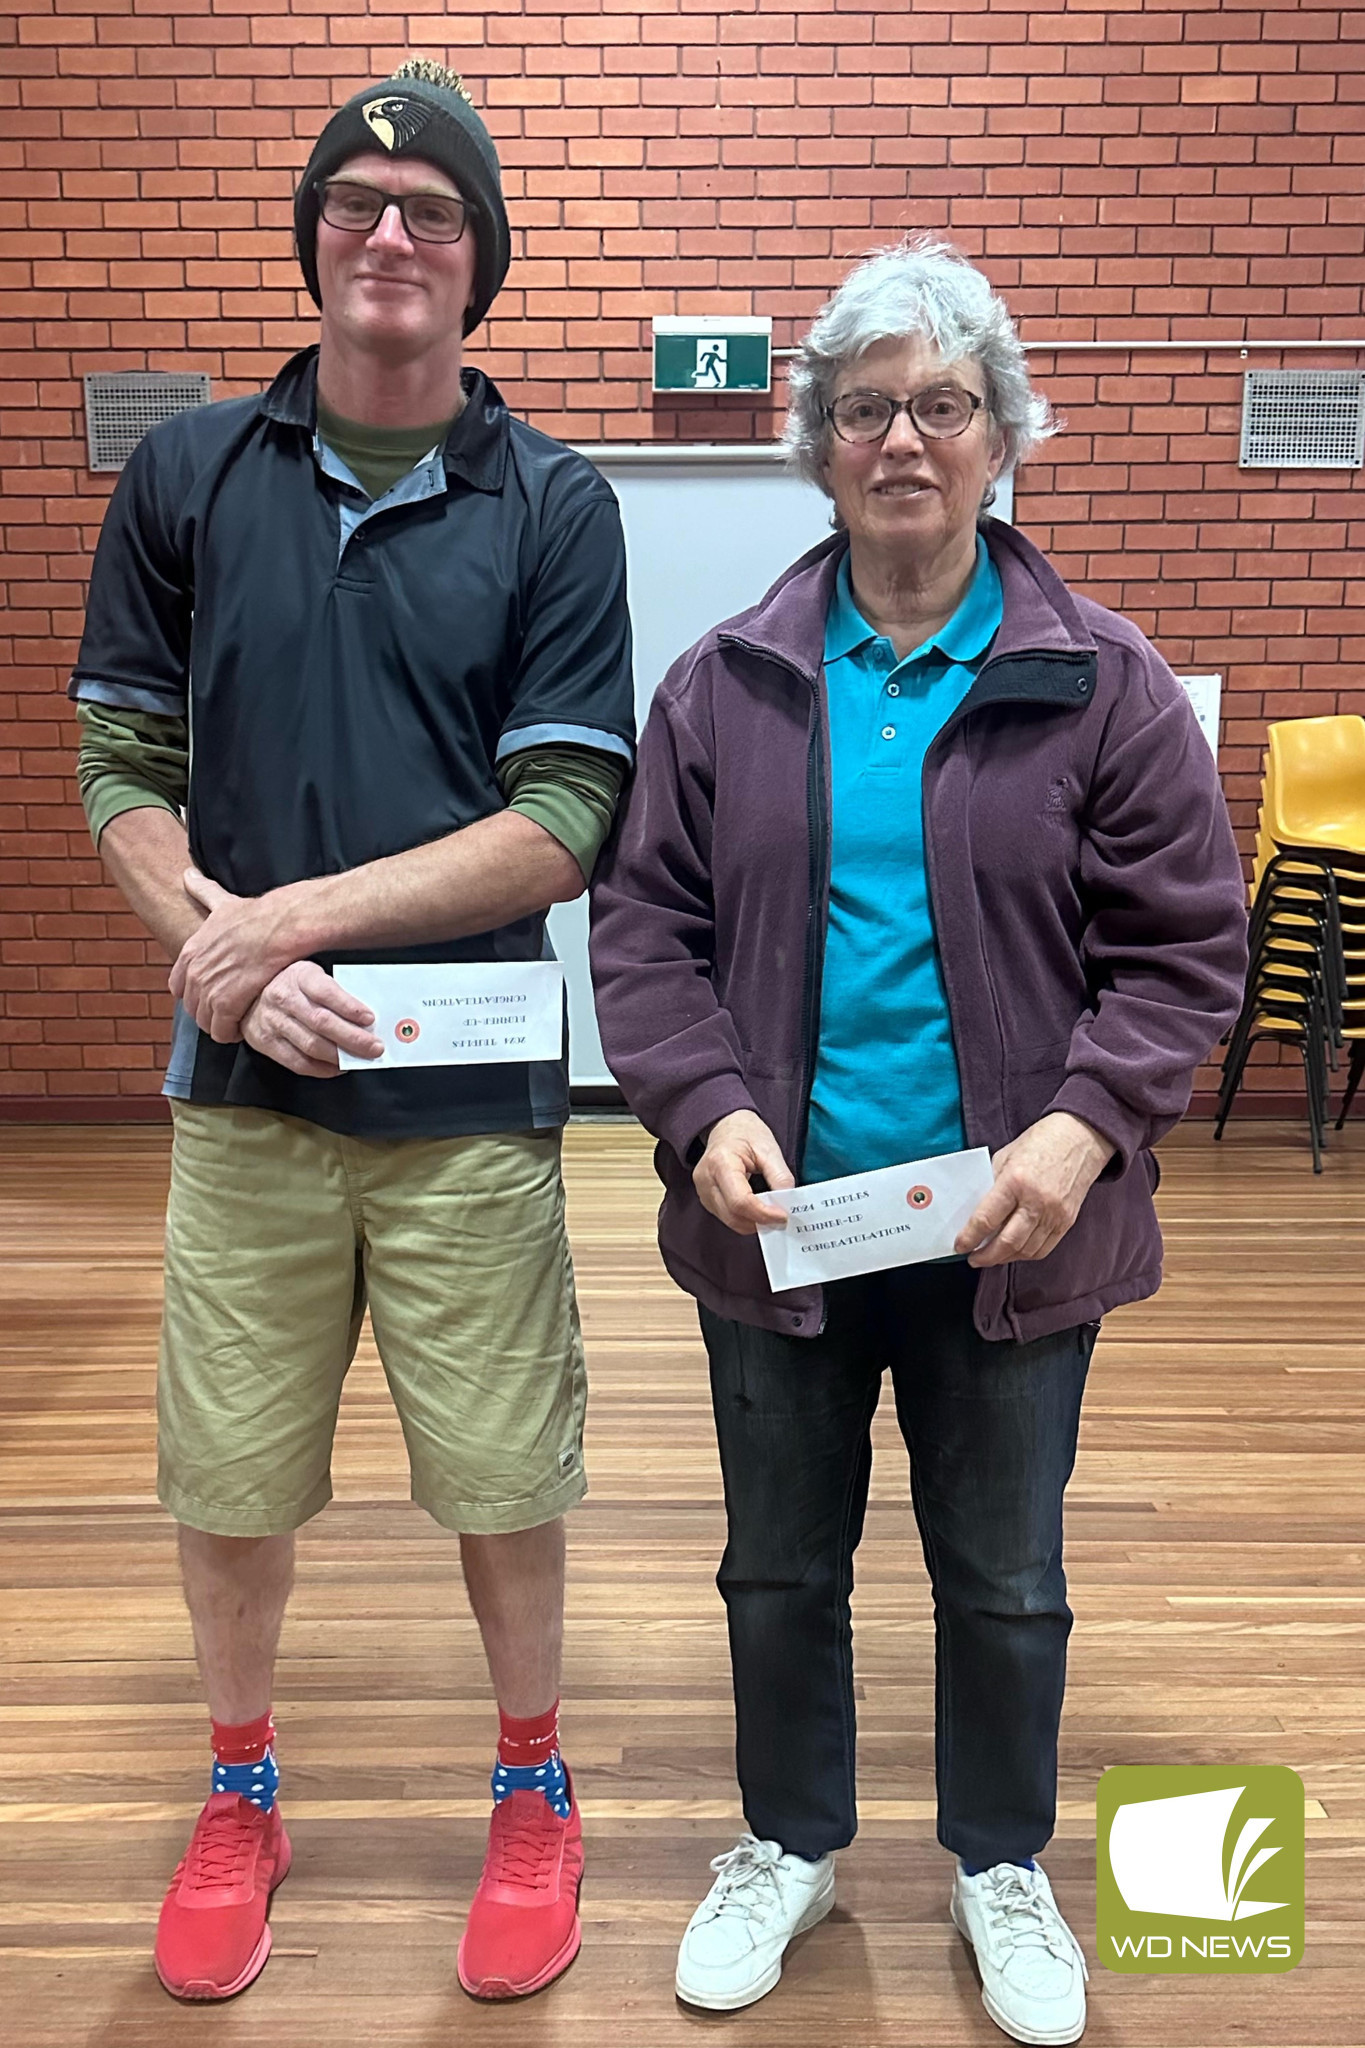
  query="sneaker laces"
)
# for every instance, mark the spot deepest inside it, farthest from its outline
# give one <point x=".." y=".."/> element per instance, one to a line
<point x="220" y="1849"/>
<point x="1025" y="1916"/>
<point x="746" y="1878"/>
<point x="523" y="1841"/>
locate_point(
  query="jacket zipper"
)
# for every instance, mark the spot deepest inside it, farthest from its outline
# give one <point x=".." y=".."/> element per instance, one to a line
<point x="816" y="898"/>
<point x="1007" y="1300"/>
<point x="959" y="717"/>
<point x="817" y="924"/>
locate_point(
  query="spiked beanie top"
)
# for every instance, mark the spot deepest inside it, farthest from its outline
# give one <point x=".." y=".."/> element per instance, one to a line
<point x="422" y="111"/>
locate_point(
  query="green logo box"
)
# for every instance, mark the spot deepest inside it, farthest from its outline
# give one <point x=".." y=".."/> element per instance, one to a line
<point x="1199" y="1869"/>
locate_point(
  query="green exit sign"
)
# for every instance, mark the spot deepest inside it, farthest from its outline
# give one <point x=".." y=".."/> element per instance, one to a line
<point x="720" y="352"/>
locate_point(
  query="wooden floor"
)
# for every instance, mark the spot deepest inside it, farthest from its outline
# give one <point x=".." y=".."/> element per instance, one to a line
<point x="1216" y="1548"/>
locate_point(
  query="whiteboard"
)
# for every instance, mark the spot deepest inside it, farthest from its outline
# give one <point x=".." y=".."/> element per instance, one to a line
<point x="708" y="529"/>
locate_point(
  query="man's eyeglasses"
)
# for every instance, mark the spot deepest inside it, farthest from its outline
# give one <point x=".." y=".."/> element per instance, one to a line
<point x="942" y="413"/>
<point x="358" y="209"/>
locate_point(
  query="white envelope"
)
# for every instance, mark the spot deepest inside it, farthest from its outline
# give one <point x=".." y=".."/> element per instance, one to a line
<point x="866" y="1222"/>
<point x="437" y="1015"/>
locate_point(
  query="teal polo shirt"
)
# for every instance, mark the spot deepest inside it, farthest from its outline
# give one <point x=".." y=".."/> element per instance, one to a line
<point x="886" y="1084"/>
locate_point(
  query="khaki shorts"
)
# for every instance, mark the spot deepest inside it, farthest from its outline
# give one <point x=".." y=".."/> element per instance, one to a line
<point x="278" y="1232"/>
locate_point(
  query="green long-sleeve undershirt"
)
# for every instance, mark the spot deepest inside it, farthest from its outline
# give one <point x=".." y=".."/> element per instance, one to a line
<point x="135" y="760"/>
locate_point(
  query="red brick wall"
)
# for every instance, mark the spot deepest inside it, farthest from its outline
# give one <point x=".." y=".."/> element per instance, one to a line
<point x="1180" y="170"/>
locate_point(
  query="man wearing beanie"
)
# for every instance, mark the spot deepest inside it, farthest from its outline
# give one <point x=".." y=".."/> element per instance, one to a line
<point x="393" y="618"/>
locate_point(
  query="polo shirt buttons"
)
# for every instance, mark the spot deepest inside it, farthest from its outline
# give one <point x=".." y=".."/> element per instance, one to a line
<point x="893" y="689"/>
<point x="888" y="732"/>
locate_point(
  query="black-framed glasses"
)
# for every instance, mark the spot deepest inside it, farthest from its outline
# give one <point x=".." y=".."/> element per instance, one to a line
<point x="942" y="412"/>
<point x="358" y="209"/>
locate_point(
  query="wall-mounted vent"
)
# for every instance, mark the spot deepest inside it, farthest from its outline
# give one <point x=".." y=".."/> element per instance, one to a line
<point x="1303" y="419"/>
<point x="121" y="405"/>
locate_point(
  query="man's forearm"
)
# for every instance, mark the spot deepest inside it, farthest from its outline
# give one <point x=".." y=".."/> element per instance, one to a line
<point x="146" y="853"/>
<point x="489" y="874"/>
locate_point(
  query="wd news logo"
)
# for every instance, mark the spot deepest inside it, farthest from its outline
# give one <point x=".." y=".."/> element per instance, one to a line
<point x="1199" y="1869"/>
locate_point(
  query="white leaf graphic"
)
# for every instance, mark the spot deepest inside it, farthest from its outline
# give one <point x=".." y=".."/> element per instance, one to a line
<point x="1167" y="1856"/>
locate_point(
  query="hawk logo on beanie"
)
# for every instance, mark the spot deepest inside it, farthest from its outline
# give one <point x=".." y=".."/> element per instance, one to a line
<point x="395" y="121"/>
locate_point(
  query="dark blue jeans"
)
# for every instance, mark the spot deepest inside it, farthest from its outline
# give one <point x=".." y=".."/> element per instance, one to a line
<point x="991" y="1432"/>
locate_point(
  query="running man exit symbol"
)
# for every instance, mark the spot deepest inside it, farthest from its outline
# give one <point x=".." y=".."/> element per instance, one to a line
<point x="710" y="353"/>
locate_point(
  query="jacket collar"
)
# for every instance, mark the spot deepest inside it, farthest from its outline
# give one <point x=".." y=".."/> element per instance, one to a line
<point x="476" y="446"/>
<point x="1042" y="653"/>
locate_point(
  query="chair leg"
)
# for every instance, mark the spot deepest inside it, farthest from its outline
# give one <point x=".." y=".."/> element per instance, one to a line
<point x="1234" y="1065"/>
<point x="1315" y="1067"/>
<point x="1227" y="1089"/>
<point x="1310" y="1084"/>
<point x="1319" y="1038"/>
<point x="1238" y="1036"/>
<point x="1353" y="1079"/>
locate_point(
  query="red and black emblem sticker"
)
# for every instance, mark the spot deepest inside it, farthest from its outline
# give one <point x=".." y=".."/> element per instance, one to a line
<point x="406" y="1030"/>
<point x="920" y="1197"/>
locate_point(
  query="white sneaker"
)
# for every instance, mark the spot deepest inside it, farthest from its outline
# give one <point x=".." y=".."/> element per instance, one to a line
<point x="732" y="1950"/>
<point x="1033" y="1973"/>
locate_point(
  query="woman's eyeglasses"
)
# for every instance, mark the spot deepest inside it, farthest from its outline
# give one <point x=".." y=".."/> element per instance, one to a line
<point x="942" y="413"/>
<point x="358" y="209"/>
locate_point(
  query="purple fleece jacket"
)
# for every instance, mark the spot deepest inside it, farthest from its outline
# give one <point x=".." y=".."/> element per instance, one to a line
<point x="1087" y="898"/>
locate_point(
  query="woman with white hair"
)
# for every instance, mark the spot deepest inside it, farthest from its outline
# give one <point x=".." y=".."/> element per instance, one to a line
<point x="924" y="851"/>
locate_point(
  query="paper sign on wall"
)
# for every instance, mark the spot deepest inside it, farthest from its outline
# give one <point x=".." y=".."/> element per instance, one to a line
<point x="1205" y="694"/>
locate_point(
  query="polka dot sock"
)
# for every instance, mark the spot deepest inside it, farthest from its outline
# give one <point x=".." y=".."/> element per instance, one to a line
<point x="529" y="1760"/>
<point x="244" y="1760"/>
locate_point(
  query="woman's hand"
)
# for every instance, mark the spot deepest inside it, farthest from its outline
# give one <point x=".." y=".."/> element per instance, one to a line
<point x="1041" y="1179"/>
<point x="303" y="1016"/>
<point x="741" y="1145"/>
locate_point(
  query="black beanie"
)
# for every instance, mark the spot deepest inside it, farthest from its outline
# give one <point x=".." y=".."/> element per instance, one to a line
<point x="423" y="111"/>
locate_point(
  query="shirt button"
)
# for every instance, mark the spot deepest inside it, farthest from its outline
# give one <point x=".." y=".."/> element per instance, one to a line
<point x="893" y="689"/>
<point x="888" y="732"/>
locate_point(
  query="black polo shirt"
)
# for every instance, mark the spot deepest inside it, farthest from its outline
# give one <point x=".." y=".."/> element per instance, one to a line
<point x="352" y="672"/>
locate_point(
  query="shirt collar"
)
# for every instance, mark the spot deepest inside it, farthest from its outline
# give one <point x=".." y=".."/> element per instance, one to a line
<point x="965" y="636"/>
<point x="475" y="449"/>
<point x="426" y="478"/>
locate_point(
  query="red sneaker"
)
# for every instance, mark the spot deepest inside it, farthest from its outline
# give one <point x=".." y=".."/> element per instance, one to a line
<point x="523" y="1926"/>
<point x="212" y="1939"/>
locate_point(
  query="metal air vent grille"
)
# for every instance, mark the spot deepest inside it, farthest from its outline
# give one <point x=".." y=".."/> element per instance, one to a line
<point x="1303" y="419"/>
<point x="121" y="405"/>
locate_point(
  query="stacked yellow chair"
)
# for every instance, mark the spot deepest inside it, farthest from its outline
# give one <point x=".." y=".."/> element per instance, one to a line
<point x="1306" y="978"/>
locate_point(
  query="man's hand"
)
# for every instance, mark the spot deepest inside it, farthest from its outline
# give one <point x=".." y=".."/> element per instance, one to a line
<point x="224" y="966"/>
<point x="303" y="1016"/>
<point x="740" y="1145"/>
<point x="1041" y="1179"/>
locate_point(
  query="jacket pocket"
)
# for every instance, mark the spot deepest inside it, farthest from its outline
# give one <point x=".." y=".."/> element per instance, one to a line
<point x="1033" y="1076"/>
<point x="766" y="1065"/>
<point x="1037" y="1059"/>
